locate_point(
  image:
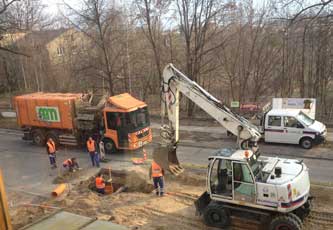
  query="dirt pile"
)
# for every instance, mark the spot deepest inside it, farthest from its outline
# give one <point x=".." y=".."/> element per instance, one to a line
<point x="26" y="214"/>
<point x="66" y="177"/>
<point x="134" y="180"/>
<point x="189" y="178"/>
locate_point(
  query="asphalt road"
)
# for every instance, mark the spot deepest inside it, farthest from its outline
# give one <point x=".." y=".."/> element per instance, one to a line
<point x="26" y="167"/>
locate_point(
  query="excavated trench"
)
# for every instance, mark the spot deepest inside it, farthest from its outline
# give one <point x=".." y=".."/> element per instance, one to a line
<point x="123" y="181"/>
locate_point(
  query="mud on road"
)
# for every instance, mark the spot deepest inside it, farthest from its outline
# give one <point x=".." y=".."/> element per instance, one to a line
<point x="139" y="208"/>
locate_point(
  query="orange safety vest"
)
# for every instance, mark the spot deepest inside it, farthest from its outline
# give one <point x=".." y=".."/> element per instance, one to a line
<point x="67" y="162"/>
<point x="99" y="182"/>
<point x="91" y="146"/>
<point x="51" y="146"/>
<point x="156" y="170"/>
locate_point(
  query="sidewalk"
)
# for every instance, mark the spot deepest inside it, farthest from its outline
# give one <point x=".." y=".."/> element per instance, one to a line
<point x="215" y="130"/>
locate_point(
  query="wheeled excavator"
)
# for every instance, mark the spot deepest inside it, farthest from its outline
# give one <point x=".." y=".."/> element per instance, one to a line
<point x="239" y="181"/>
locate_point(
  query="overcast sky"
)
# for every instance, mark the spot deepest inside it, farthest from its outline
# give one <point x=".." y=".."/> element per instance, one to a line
<point x="53" y="4"/>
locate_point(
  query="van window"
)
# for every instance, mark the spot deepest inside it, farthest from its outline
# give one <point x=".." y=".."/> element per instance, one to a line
<point x="274" y="120"/>
<point x="292" y="122"/>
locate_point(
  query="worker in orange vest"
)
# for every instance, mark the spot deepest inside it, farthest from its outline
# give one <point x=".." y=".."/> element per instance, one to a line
<point x="157" y="172"/>
<point x="72" y="164"/>
<point x="91" y="147"/>
<point x="100" y="183"/>
<point x="51" y="151"/>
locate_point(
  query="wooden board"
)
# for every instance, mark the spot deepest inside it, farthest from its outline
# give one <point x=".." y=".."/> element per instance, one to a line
<point x="5" y="222"/>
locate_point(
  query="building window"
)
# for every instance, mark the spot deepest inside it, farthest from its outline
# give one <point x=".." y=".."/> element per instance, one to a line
<point x="60" y="51"/>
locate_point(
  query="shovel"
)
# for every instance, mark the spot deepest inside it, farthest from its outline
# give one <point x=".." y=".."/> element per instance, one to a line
<point x="108" y="184"/>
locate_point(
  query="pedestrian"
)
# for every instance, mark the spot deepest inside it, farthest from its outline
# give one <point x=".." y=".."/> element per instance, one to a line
<point x="100" y="184"/>
<point x="101" y="150"/>
<point x="71" y="164"/>
<point x="91" y="146"/>
<point x="51" y="151"/>
<point x="157" y="172"/>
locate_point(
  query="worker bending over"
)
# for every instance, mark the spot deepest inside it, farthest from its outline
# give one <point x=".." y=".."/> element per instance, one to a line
<point x="51" y="151"/>
<point x="91" y="147"/>
<point x="100" y="184"/>
<point x="71" y="164"/>
<point x="157" y="172"/>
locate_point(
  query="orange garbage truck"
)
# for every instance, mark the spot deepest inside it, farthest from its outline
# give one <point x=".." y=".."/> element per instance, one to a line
<point x="121" y="121"/>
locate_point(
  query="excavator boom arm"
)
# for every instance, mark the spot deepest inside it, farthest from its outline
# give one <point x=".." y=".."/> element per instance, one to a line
<point x="175" y="82"/>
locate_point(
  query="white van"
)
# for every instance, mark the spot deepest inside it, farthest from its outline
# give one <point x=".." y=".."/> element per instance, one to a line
<point x="292" y="126"/>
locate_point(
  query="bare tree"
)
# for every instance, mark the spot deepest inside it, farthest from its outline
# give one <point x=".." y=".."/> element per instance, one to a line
<point x="27" y="15"/>
<point x="4" y="27"/>
<point x="200" y="26"/>
<point x="317" y="8"/>
<point x="151" y="13"/>
<point x="100" y="22"/>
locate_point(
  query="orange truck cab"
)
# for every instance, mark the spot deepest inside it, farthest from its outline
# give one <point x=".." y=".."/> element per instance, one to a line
<point x="127" y="124"/>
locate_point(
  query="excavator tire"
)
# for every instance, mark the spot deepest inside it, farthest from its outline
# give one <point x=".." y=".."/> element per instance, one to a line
<point x="215" y="215"/>
<point x="286" y="222"/>
<point x="166" y="157"/>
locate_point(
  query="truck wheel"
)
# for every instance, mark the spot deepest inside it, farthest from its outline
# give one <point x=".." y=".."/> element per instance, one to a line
<point x="216" y="216"/>
<point x="54" y="137"/>
<point x="306" y="143"/>
<point x="109" y="146"/>
<point x="286" y="222"/>
<point x="38" y="137"/>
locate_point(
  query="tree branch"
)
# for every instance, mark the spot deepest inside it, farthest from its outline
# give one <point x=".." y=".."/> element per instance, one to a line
<point x="323" y="4"/>
<point x="13" y="51"/>
<point x="6" y="4"/>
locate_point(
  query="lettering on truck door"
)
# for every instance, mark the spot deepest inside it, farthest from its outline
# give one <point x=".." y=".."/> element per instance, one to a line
<point x="273" y="129"/>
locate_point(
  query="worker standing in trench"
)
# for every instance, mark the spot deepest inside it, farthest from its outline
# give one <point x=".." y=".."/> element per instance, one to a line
<point x="157" y="172"/>
<point x="51" y="151"/>
<point x="91" y="146"/>
<point x="100" y="184"/>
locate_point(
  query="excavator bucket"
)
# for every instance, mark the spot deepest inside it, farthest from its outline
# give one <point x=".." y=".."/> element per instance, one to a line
<point x="166" y="157"/>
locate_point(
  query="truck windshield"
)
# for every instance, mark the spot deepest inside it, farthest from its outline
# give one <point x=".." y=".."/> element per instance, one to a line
<point x="139" y="118"/>
<point x="305" y="119"/>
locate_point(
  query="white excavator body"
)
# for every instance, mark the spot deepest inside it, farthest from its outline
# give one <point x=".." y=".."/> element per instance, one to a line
<point x="269" y="183"/>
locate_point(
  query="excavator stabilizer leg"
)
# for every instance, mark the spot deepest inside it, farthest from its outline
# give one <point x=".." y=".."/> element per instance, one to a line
<point x="166" y="157"/>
